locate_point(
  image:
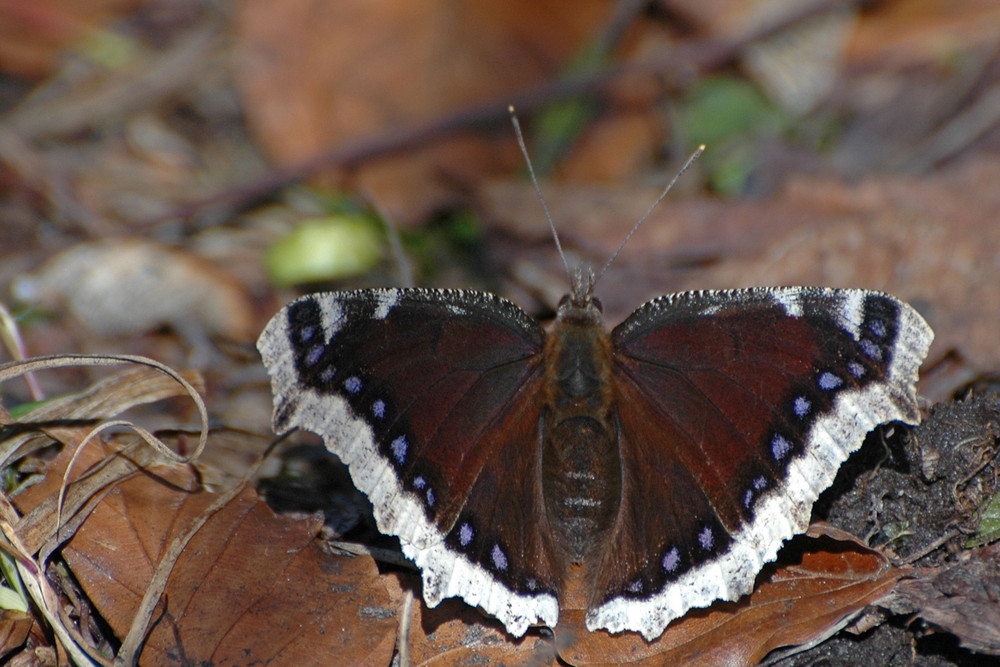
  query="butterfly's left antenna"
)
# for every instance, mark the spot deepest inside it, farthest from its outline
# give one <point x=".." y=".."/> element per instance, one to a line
<point x="534" y="181"/>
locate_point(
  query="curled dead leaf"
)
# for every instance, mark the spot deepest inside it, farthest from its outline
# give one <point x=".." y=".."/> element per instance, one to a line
<point x="962" y="598"/>
<point x="129" y="286"/>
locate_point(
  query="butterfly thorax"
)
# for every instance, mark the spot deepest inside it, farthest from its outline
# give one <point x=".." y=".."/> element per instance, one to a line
<point x="581" y="480"/>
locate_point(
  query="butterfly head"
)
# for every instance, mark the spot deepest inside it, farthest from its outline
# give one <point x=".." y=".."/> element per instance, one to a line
<point x="581" y="302"/>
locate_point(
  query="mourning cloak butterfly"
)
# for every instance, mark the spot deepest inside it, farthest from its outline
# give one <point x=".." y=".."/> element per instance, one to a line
<point x="662" y="463"/>
<point x="652" y="469"/>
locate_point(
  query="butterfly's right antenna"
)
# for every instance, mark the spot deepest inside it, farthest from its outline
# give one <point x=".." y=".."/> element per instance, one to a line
<point x="690" y="161"/>
<point x="534" y="181"/>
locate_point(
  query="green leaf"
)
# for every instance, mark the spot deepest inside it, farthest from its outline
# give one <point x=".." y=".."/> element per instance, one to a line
<point x="14" y="596"/>
<point x="728" y="115"/>
<point x="9" y="599"/>
<point x="720" y="109"/>
<point x="328" y="248"/>
<point x="989" y="525"/>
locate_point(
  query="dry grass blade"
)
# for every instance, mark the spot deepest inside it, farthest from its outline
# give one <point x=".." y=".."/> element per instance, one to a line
<point x="104" y="399"/>
<point x="11" y="338"/>
<point x="107" y="397"/>
<point x="17" y="368"/>
<point x="148" y="437"/>
<point x="45" y="598"/>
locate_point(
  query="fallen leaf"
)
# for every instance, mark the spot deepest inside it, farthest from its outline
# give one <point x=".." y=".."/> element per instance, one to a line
<point x="962" y="598"/>
<point x="104" y="399"/>
<point x="33" y="35"/>
<point x="249" y="586"/>
<point x="14" y="629"/>
<point x="989" y="524"/>
<point x="902" y="34"/>
<point x="929" y="240"/>
<point x="129" y="286"/>
<point x="316" y="73"/>
<point x="820" y="581"/>
<point x="329" y="248"/>
<point x="454" y="633"/>
<point x="918" y="86"/>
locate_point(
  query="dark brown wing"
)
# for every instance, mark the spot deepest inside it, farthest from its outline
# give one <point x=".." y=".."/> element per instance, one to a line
<point x="431" y="399"/>
<point x="735" y="411"/>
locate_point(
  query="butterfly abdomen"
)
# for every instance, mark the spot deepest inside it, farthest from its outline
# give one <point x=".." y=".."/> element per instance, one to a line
<point x="581" y="466"/>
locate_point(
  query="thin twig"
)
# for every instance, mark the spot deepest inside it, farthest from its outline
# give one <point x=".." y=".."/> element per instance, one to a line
<point x="933" y="546"/>
<point x="670" y="67"/>
<point x="405" y="618"/>
<point x="164" y="75"/>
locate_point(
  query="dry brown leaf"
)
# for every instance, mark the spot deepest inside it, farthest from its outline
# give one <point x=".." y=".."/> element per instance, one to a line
<point x="613" y="149"/>
<point x="907" y="33"/>
<point x="34" y="34"/>
<point x="14" y="628"/>
<point x="920" y="90"/>
<point x="891" y="34"/>
<point x="316" y="73"/>
<point x="962" y="598"/>
<point x="249" y="586"/>
<point x="820" y="582"/>
<point x="929" y="240"/>
<point x="104" y="399"/>
<point x="454" y="633"/>
<point x="726" y="16"/>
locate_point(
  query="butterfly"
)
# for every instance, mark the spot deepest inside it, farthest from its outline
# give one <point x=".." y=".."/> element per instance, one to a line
<point x="651" y="469"/>
<point x="662" y="463"/>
